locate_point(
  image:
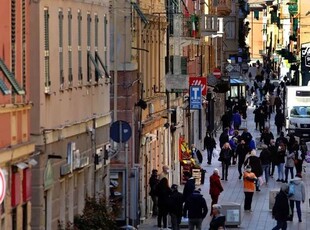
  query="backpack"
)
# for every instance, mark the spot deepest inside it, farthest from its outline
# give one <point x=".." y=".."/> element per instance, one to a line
<point x="291" y="189"/>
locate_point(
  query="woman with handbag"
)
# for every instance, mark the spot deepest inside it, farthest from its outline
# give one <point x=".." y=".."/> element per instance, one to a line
<point x="225" y="158"/>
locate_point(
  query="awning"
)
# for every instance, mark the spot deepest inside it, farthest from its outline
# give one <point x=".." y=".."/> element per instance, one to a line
<point x="237" y="82"/>
<point x="95" y="60"/>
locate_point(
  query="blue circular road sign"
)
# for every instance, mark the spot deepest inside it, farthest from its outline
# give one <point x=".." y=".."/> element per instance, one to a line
<point x="120" y="131"/>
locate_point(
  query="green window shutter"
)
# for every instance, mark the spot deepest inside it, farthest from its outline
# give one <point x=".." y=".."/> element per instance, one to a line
<point x="70" y="75"/>
<point x="46" y="50"/>
<point x="96" y="30"/>
<point x="256" y="14"/>
<point x="105" y="25"/>
<point x="60" y="40"/>
<point x="80" y="70"/>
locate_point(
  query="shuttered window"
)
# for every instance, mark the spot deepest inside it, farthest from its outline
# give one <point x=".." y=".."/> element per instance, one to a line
<point x="46" y="51"/>
<point x="70" y="76"/>
<point x="61" y="55"/>
<point x="80" y="71"/>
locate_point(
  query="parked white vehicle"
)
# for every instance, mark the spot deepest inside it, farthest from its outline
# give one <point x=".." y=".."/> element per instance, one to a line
<point x="298" y="111"/>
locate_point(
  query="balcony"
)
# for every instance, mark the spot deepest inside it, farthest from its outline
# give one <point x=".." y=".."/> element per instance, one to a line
<point x="211" y="25"/>
<point x="224" y="8"/>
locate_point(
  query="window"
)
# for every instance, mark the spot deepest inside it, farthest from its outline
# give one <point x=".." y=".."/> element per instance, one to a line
<point x="230" y="30"/>
<point x="105" y="24"/>
<point x="24" y="26"/>
<point x="46" y="51"/>
<point x="70" y="75"/>
<point x="80" y="71"/>
<point x="89" y="72"/>
<point x="61" y="56"/>
<point x="96" y="30"/>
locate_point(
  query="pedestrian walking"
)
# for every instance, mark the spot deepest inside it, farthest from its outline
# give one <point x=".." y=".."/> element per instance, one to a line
<point x="209" y="145"/>
<point x="261" y="119"/>
<point x="249" y="179"/>
<point x="226" y="120"/>
<point x="280" y="160"/>
<point x="215" y="187"/>
<point x="246" y="136"/>
<point x="189" y="186"/>
<point x="265" y="159"/>
<point x="233" y="142"/>
<point x="298" y="196"/>
<point x="224" y="137"/>
<point x="289" y="165"/>
<point x="280" y="210"/>
<point x="273" y="156"/>
<point x="266" y="136"/>
<point x="236" y="120"/>
<point x="256" y="117"/>
<point x="256" y="167"/>
<point x="218" y="219"/>
<point x="175" y="207"/>
<point x="163" y="193"/>
<point x="241" y="152"/>
<point x="279" y="121"/>
<point x="282" y="139"/>
<point x="299" y="158"/>
<point x="195" y="208"/>
<point x="153" y="182"/>
<point x="225" y="158"/>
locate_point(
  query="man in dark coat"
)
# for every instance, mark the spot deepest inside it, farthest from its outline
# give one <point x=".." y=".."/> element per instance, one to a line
<point x="175" y="207"/>
<point x="153" y="181"/>
<point x="189" y="186"/>
<point x="279" y="121"/>
<point x="280" y="210"/>
<point x="195" y="209"/>
<point x="266" y="136"/>
<point x="241" y="151"/>
<point x="224" y="137"/>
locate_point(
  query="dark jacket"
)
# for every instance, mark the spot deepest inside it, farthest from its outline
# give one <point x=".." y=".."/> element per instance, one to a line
<point x="280" y="210"/>
<point x="209" y="142"/>
<point x="195" y="206"/>
<point x="189" y="188"/>
<point x="241" y="151"/>
<point x="247" y="137"/>
<point x="224" y="137"/>
<point x="265" y="157"/>
<point x="217" y="221"/>
<point x="176" y="203"/>
<point x="266" y="137"/>
<point x="153" y="181"/>
<point x="225" y="156"/>
<point x="163" y="193"/>
<point x="279" y="119"/>
<point x="255" y="164"/>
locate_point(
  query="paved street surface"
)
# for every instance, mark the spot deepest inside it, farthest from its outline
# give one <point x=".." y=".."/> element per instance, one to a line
<point x="260" y="218"/>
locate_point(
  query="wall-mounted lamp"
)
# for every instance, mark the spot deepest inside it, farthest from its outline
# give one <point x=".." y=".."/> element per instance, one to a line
<point x="142" y="104"/>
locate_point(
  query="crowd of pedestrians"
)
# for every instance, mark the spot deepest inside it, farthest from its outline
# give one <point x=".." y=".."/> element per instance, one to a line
<point x="278" y="153"/>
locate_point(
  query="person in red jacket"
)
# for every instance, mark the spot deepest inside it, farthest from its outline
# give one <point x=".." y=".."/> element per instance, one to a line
<point x="215" y="187"/>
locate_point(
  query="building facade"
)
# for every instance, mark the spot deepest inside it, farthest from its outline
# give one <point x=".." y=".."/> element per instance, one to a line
<point x="70" y="122"/>
<point x="16" y="148"/>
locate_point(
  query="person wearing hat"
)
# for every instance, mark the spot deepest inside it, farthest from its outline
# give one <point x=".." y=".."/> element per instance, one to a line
<point x="218" y="219"/>
<point x="215" y="187"/>
<point x="195" y="208"/>
<point x="175" y="207"/>
<point x="249" y="180"/>
<point x="298" y="196"/>
<point x="280" y="210"/>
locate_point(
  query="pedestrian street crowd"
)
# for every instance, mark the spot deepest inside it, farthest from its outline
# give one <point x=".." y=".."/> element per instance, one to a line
<point x="243" y="164"/>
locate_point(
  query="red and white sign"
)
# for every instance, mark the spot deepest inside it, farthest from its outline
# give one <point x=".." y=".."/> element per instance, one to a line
<point x="202" y="81"/>
<point x="2" y="186"/>
<point x="217" y="73"/>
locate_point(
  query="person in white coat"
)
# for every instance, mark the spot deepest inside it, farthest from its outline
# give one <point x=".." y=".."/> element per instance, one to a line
<point x="298" y="196"/>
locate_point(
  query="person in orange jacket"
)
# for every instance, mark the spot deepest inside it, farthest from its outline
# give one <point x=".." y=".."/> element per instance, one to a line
<point x="249" y="180"/>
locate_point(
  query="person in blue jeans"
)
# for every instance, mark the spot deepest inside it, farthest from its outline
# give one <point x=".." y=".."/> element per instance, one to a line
<point x="265" y="159"/>
<point x="298" y="196"/>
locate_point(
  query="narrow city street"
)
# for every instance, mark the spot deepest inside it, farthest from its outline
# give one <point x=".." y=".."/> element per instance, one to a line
<point x="260" y="218"/>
